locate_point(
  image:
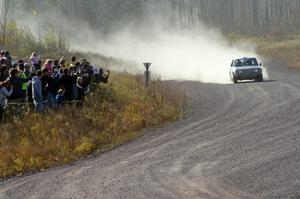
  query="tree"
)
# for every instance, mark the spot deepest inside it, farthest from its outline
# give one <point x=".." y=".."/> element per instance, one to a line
<point x="3" y="25"/>
<point x="254" y="17"/>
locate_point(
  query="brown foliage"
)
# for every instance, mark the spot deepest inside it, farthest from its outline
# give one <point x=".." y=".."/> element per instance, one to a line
<point x="113" y="114"/>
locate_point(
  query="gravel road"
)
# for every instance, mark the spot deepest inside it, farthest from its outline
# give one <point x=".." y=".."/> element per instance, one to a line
<point x="236" y="141"/>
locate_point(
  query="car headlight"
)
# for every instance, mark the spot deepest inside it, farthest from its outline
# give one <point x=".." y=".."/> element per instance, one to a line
<point x="240" y="71"/>
<point x="256" y="70"/>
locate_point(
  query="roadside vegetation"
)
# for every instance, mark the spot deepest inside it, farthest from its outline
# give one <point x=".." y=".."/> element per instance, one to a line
<point x="112" y="114"/>
<point x="284" y="47"/>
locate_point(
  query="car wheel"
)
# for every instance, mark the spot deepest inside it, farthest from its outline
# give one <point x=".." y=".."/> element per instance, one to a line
<point x="259" y="78"/>
<point x="235" y="80"/>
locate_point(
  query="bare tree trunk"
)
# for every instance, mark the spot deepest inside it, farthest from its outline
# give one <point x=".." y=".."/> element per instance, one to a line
<point x="5" y="8"/>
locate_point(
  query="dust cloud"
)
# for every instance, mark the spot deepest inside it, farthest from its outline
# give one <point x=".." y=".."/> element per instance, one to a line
<point x="202" y="54"/>
<point x="182" y="55"/>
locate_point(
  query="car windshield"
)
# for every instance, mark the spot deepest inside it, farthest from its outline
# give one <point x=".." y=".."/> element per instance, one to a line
<point x="246" y="62"/>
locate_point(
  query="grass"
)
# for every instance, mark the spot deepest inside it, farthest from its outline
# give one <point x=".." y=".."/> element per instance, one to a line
<point x="113" y="114"/>
<point x="284" y="47"/>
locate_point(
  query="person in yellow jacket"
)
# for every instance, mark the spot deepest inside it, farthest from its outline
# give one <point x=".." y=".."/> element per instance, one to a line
<point x="23" y="75"/>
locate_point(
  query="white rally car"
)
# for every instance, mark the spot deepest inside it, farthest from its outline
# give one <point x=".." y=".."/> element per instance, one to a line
<point x="246" y="69"/>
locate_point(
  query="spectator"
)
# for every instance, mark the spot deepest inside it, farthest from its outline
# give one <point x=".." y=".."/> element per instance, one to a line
<point x="2" y="58"/>
<point x="77" y="67"/>
<point x="4" y="72"/>
<point x="5" y="59"/>
<point x="82" y="61"/>
<point x="100" y="76"/>
<point x="17" y="84"/>
<point x="73" y="61"/>
<point x="37" y="66"/>
<point x="59" y="99"/>
<point x="27" y="69"/>
<point x="96" y="69"/>
<point x="62" y="62"/>
<point x="66" y="82"/>
<point x="54" y="84"/>
<point x="2" y="53"/>
<point x="56" y="71"/>
<point x="80" y="92"/>
<point x="45" y="82"/>
<point x="56" y="63"/>
<point x="24" y="77"/>
<point x="8" y="59"/>
<point x="87" y="76"/>
<point x="48" y="65"/>
<point x="6" y="90"/>
<point x="34" y="58"/>
<point x="74" y="77"/>
<point x="37" y="92"/>
<point x="105" y="77"/>
<point x="29" y="91"/>
<point x="14" y="65"/>
<point x="53" y="87"/>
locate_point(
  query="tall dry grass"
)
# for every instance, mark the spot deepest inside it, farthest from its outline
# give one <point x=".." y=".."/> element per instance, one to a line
<point x="112" y="114"/>
<point x="284" y="47"/>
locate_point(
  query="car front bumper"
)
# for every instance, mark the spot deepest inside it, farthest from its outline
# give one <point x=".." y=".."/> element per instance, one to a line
<point x="248" y="75"/>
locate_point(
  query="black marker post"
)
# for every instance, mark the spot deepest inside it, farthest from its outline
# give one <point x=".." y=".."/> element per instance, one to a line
<point x="147" y="73"/>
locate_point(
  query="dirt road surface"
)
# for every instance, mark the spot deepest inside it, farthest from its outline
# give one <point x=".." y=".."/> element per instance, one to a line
<point x="236" y="141"/>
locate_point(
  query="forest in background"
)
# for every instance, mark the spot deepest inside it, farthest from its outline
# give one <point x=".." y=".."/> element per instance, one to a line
<point x="252" y="17"/>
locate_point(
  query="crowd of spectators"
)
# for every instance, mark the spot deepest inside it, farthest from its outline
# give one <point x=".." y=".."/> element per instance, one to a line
<point x="46" y="85"/>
